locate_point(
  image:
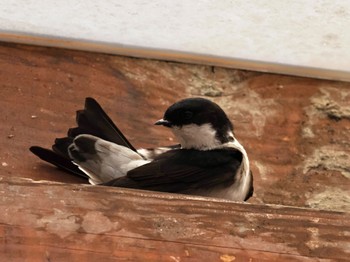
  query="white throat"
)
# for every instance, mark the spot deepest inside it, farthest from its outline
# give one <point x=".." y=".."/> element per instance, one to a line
<point x="201" y="137"/>
<point x="244" y="169"/>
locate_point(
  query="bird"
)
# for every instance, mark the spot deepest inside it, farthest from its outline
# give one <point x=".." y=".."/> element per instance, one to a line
<point x="208" y="160"/>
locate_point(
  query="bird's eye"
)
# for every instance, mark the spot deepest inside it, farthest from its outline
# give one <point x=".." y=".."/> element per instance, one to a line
<point x="231" y="139"/>
<point x="187" y="115"/>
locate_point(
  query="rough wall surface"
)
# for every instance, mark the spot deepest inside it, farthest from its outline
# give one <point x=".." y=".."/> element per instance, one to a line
<point x="296" y="130"/>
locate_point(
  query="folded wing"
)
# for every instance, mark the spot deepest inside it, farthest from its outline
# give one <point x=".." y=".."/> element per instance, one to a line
<point x="185" y="171"/>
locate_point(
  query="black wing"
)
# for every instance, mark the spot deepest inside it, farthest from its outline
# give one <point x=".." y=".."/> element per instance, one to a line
<point x="183" y="170"/>
<point x="91" y="120"/>
<point x="57" y="160"/>
<point x="94" y="121"/>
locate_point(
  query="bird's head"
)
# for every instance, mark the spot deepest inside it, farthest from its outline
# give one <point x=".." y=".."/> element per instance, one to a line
<point x="198" y="123"/>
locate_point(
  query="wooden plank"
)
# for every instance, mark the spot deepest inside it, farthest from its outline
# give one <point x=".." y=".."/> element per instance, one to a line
<point x="295" y="130"/>
<point x="304" y="163"/>
<point x="178" y="56"/>
<point x="54" y="221"/>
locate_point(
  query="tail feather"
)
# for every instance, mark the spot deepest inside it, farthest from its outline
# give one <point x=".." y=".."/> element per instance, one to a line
<point x="102" y="160"/>
<point x="57" y="160"/>
<point x="92" y="120"/>
<point x="61" y="145"/>
<point x="85" y="125"/>
<point x="96" y="119"/>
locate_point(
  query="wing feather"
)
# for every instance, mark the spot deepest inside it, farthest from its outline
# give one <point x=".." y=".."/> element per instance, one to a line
<point x="91" y="120"/>
<point x="184" y="169"/>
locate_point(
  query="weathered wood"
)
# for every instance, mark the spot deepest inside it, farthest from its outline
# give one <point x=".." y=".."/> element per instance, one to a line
<point x="45" y="221"/>
<point x="304" y="163"/>
<point x="296" y="130"/>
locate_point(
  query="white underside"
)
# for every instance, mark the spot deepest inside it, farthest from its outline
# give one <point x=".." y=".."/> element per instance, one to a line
<point x="150" y="154"/>
<point x="111" y="161"/>
<point x="240" y="189"/>
<point x="203" y="137"/>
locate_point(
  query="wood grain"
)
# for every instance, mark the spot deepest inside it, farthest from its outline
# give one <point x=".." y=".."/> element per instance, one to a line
<point x="296" y="130"/>
<point x="184" y="57"/>
<point x="45" y="221"/>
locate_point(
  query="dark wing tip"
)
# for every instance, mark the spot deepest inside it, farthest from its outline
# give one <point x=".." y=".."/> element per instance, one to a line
<point x="39" y="151"/>
<point x="251" y="189"/>
<point x="103" y="122"/>
<point x="57" y="160"/>
<point x="78" y="114"/>
<point x="33" y="148"/>
<point x="91" y="102"/>
<point x="90" y="99"/>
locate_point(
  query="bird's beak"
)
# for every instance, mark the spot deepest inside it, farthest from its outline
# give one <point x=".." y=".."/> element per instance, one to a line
<point x="163" y="122"/>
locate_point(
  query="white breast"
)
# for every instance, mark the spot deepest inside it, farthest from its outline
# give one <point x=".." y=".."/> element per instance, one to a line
<point x="240" y="189"/>
<point x="201" y="137"/>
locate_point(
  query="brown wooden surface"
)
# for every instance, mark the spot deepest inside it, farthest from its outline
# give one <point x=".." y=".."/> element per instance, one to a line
<point x="296" y="131"/>
<point x="59" y="222"/>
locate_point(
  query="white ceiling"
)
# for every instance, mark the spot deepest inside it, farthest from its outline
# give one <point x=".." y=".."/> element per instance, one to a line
<point x="294" y="37"/>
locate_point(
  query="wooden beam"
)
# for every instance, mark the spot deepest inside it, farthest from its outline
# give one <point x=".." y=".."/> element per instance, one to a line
<point x="46" y="221"/>
<point x="177" y="56"/>
<point x="295" y="130"/>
